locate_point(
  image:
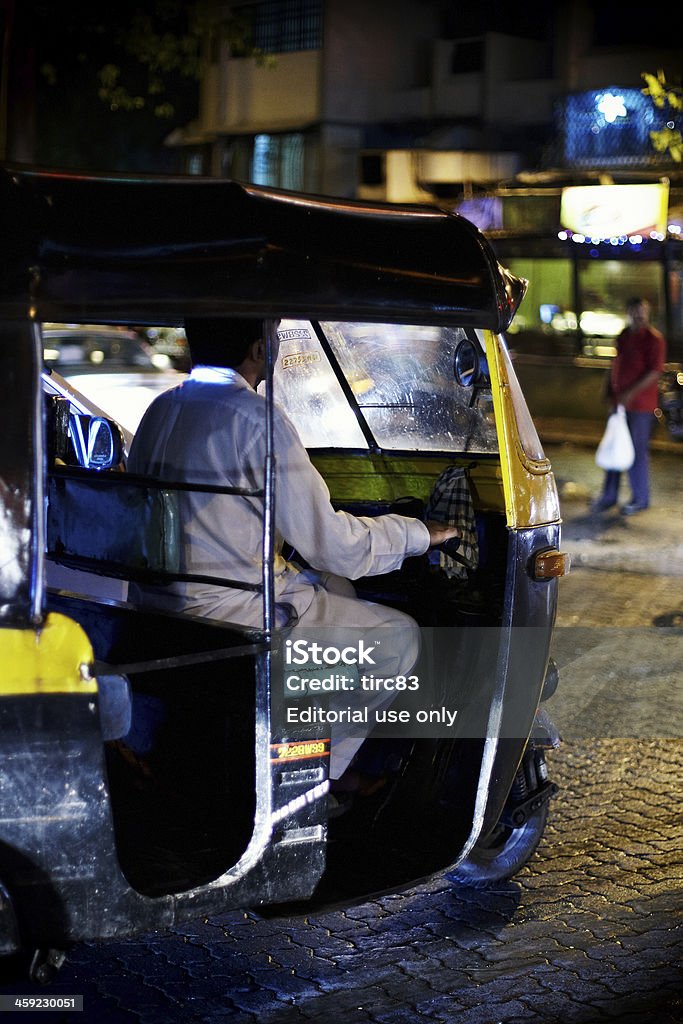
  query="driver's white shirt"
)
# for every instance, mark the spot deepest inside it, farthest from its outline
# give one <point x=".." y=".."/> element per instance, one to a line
<point x="211" y="430"/>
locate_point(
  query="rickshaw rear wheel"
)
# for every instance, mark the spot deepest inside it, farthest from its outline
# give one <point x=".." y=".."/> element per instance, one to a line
<point x="502" y="854"/>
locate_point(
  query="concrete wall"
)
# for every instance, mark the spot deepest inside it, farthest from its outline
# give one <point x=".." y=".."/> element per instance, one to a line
<point x="370" y="57"/>
<point x="241" y="95"/>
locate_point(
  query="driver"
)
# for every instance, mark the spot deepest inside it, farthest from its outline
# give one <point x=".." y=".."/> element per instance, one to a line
<point x="211" y="430"/>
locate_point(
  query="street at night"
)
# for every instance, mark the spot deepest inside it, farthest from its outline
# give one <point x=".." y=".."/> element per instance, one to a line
<point x="341" y="653"/>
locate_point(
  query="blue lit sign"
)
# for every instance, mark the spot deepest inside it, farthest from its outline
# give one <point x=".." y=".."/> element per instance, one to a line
<point x="608" y="126"/>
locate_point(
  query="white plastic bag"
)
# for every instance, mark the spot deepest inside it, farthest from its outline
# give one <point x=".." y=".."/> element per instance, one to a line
<point x="616" y="451"/>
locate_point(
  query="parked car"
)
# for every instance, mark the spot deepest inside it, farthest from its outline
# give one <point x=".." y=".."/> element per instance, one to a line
<point x="171" y="342"/>
<point x="392" y="364"/>
<point x="113" y="367"/>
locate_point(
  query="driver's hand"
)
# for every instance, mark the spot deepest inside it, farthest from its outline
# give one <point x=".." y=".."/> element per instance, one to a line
<point x="439" y="533"/>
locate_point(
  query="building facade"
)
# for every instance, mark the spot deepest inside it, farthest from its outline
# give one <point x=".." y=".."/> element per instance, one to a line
<point x="352" y="89"/>
<point x="417" y="99"/>
<point x="493" y="112"/>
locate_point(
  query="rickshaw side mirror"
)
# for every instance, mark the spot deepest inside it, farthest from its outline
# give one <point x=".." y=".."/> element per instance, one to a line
<point x="77" y="439"/>
<point x="470" y="367"/>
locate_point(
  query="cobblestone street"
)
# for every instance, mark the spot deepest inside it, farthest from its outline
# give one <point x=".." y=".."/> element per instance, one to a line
<point x="589" y="932"/>
<point x="586" y="933"/>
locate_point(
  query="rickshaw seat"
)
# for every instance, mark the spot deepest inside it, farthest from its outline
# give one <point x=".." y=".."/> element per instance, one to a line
<point x="123" y="526"/>
<point x="112" y="523"/>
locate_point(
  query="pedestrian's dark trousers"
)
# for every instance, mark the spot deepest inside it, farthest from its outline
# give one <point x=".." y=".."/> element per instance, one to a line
<point x="640" y="424"/>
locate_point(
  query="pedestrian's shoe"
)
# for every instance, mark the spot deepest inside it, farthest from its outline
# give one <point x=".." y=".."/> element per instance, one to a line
<point x="632" y="509"/>
<point x="601" y="505"/>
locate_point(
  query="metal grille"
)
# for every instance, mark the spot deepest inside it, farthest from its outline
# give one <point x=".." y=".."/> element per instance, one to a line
<point x="282" y="26"/>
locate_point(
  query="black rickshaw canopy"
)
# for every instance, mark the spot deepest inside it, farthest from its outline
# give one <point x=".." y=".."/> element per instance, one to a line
<point x="147" y="249"/>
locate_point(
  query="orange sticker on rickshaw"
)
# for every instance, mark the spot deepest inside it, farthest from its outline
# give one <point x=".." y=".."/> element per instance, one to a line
<point x="299" y="750"/>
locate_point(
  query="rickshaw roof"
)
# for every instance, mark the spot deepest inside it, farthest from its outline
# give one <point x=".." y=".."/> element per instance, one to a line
<point x="148" y="249"/>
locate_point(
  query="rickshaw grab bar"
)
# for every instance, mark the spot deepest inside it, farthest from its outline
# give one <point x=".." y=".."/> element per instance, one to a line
<point x="117" y="479"/>
<point x="179" y="661"/>
<point x="123" y="571"/>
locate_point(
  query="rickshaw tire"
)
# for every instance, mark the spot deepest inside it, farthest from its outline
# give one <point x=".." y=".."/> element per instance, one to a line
<point x="502" y="855"/>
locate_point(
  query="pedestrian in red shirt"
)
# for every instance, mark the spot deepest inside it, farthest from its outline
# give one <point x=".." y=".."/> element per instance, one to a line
<point x="633" y="383"/>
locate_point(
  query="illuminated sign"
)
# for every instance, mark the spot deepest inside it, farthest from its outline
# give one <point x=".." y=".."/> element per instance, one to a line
<point x="608" y="211"/>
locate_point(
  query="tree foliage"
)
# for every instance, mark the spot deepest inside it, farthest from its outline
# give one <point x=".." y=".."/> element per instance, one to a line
<point x="668" y="98"/>
<point x="144" y="55"/>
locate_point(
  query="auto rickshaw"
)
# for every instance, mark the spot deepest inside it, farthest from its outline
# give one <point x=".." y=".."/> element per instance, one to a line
<point x="392" y="365"/>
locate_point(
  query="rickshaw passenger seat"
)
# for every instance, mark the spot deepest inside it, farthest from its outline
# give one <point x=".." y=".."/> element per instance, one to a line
<point x="113" y="518"/>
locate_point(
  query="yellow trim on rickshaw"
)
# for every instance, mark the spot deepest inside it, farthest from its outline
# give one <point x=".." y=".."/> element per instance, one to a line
<point x="52" y="658"/>
<point x="531" y="497"/>
<point x="370" y="477"/>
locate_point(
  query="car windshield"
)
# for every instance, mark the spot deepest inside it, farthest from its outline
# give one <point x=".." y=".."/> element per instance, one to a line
<point x="400" y="378"/>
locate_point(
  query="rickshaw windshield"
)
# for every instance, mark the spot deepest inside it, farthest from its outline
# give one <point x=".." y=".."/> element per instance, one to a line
<point x="355" y="385"/>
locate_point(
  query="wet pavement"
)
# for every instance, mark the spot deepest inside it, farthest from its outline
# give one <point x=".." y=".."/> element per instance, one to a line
<point x="586" y="933"/>
<point x="590" y="931"/>
<point x="619" y="642"/>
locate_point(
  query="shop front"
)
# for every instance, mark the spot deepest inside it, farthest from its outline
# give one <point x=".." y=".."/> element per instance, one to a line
<point x="586" y="250"/>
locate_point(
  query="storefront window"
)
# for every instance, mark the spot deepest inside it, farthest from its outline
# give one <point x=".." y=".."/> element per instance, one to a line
<point x="553" y="320"/>
<point x="278" y="161"/>
<point x="675" y="338"/>
<point x="605" y="286"/>
<point x="546" y="320"/>
<point x="530" y="214"/>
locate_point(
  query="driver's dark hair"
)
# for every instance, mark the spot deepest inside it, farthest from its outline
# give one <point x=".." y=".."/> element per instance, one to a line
<point x="221" y="341"/>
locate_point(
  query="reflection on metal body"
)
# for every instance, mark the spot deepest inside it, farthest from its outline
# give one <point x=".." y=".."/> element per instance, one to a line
<point x="102" y="448"/>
